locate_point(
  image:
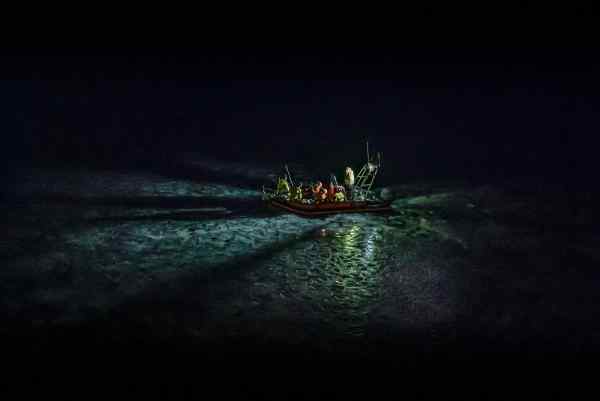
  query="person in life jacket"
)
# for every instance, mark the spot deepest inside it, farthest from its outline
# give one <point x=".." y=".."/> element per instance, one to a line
<point x="307" y="191"/>
<point x="323" y="194"/>
<point x="317" y="191"/>
<point x="298" y="193"/>
<point x="331" y="192"/>
<point x="283" y="188"/>
<point x="340" y="193"/>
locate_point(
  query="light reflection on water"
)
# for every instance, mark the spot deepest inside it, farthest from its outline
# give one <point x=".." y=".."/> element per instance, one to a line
<point x="337" y="273"/>
<point x="353" y="262"/>
<point x="357" y="273"/>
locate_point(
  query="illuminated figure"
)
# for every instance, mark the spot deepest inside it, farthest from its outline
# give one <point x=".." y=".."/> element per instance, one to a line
<point x="298" y="193"/>
<point x="340" y="193"/>
<point x="349" y="181"/>
<point x="283" y="188"/>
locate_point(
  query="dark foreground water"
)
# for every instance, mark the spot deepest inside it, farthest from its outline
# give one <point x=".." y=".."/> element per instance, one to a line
<point x="184" y="269"/>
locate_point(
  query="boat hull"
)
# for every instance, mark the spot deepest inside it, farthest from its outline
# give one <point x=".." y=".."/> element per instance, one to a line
<point x="330" y="207"/>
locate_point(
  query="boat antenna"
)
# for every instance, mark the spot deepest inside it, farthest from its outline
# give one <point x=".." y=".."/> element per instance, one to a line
<point x="289" y="176"/>
<point x="368" y="158"/>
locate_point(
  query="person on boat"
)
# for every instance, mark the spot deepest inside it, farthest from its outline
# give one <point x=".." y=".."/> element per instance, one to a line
<point x="331" y="192"/>
<point x="319" y="192"/>
<point x="323" y="194"/>
<point x="349" y="181"/>
<point x="298" y="193"/>
<point x="307" y="191"/>
<point x="316" y="190"/>
<point x="283" y="188"/>
<point x="340" y="193"/>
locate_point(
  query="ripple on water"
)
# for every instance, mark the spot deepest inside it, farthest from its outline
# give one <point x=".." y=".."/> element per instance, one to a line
<point x="336" y="273"/>
<point x="357" y="272"/>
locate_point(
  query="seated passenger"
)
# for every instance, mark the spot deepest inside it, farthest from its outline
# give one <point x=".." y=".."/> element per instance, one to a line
<point x="331" y="192"/>
<point x="316" y="190"/>
<point x="323" y="194"/>
<point x="298" y="193"/>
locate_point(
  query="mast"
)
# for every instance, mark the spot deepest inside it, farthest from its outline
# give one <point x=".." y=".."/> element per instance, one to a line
<point x="289" y="176"/>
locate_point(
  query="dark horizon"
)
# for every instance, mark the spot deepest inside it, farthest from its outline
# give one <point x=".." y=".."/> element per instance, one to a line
<point x="436" y="112"/>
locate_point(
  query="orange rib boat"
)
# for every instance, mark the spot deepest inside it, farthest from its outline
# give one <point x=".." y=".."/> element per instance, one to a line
<point x="362" y="201"/>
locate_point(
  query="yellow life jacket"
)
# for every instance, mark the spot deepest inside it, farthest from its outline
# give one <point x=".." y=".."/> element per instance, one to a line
<point x="283" y="186"/>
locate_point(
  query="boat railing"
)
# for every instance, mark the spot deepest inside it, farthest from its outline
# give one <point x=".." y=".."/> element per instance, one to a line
<point x="267" y="192"/>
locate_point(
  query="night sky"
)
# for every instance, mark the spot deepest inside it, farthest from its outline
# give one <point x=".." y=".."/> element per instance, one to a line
<point x="465" y="112"/>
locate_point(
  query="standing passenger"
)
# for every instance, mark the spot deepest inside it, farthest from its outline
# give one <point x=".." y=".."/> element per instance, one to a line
<point x="349" y="182"/>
